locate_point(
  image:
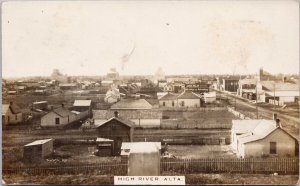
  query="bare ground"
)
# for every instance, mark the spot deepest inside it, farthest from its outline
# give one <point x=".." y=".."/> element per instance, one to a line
<point x="190" y="179"/>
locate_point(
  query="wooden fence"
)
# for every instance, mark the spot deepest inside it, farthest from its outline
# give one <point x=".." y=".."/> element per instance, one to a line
<point x="250" y="165"/>
<point x="234" y="165"/>
<point x="101" y="169"/>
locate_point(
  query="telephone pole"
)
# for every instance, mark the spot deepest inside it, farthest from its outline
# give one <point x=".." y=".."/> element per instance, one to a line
<point x="256" y="100"/>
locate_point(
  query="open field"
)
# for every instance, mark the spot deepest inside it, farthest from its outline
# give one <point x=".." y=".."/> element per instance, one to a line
<point x="190" y="179"/>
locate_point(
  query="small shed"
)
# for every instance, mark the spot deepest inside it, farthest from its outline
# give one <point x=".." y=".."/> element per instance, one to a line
<point x="38" y="149"/>
<point x="143" y="158"/>
<point x="105" y="147"/>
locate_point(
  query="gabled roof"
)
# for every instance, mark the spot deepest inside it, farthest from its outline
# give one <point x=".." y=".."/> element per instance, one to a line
<point x="63" y="112"/>
<point x="244" y="126"/>
<point x="131" y="104"/>
<point x="82" y="103"/>
<point x="123" y="121"/>
<point x="14" y="108"/>
<point x="262" y="129"/>
<point x="169" y="96"/>
<point x="188" y="95"/>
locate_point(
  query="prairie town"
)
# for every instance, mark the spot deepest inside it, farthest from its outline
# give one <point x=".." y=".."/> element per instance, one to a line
<point x="92" y="109"/>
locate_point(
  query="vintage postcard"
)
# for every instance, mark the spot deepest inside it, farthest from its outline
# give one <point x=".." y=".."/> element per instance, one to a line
<point x="162" y="92"/>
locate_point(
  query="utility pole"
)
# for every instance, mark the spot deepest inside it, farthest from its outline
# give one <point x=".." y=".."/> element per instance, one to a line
<point x="256" y="100"/>
<point x="274" y="95"/>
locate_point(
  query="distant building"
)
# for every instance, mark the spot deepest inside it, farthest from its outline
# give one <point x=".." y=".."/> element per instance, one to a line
<point x="131" y="104"/>
<point x="282" y="92"/>
<point x="230" y="85"/>
<point x="67" y="86"/>
<point x="112" y="95"/>
<point x="38" y="150"/>
<point x="168" y="100"/>
<point x="58" y="76"/>
<point x="118" y="129"/>
<point x="107" y="83"/>
<point x="112" y="74"/>
<point x="210" y="97"/>
<point x="262" y="138"/>
<point x="197" y="87"/>
<point x="11" y="114"/>
<point x="188" y="99"/>
<point x="247" y="88"/>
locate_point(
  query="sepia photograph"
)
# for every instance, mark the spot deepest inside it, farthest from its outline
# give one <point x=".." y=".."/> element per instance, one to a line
<point x="164" y="92"/>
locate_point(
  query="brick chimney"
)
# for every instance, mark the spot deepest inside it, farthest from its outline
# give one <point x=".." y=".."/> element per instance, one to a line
<point x="278" y="123"/>
<point x="116" y="114"/>
<point x="274" y="116"/>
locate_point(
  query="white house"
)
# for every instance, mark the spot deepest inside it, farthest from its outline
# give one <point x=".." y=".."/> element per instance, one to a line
<point x="11" y="114"/>
<point x="58" y="118"/>
<point x="188" y="99"/>
<point x="261" y="138"/>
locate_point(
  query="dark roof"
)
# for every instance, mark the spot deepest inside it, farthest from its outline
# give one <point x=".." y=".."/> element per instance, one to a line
<point x="63" y="112"/>
<point x="122" y="120"/>
<point x="188" y="95"/>
<point x="131" y="104"/>
<point x="169" y="96"/>
<point x="14" y="108"/>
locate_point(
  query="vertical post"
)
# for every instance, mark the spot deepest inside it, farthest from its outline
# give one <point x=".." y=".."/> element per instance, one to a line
<point x="256" y="100"/>
<point x="274" y="95"/>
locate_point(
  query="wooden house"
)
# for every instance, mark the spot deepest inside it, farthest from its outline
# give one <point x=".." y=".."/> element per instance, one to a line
<point x="58" y="117"/>
<point x="168" y="100"/>
<point x="131" y="104"/>
<point x="262" y="138"/>
<point x="11" y="114"/>
<point x="83" y="106"/>
<point x="188" y="99"/>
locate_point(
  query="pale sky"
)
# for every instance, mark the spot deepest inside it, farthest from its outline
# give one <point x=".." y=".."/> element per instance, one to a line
<point x="181" y="37"/>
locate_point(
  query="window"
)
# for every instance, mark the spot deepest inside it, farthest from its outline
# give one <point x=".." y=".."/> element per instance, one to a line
<point x="164" y="104"/>
<point x="56" y="121"/>
<point x="8" y="119"/>
<point x="273" y="149"/>
<point x="182" y="103"/>
<point x="173" y="104"/>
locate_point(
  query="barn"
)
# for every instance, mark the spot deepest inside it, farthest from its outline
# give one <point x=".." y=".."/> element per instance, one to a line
<point x="38" y="149"/>
<point x="118" y="129"/>
<point x="262" y="138"/>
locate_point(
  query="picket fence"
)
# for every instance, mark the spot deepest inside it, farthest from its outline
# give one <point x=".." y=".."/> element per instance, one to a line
<point x="234" y="165"/>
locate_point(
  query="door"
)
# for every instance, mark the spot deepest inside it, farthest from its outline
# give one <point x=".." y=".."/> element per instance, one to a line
<point x="117" y="146"/>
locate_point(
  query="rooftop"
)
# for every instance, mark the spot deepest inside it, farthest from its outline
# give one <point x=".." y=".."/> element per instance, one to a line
<point x="279" y="86"/>
<point x="63" y="112"/>
<point x="135" y="104"/>
<point x="169" y="96"/>
<point x="14" y="108"/>
<point x="129" y="114"/>
<point x="38" y="142"/>
<point x="124" y="121"/>
<point x="82" y="103"/>
<point x="140" y="147"/>
<point x="188" y="95"/>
